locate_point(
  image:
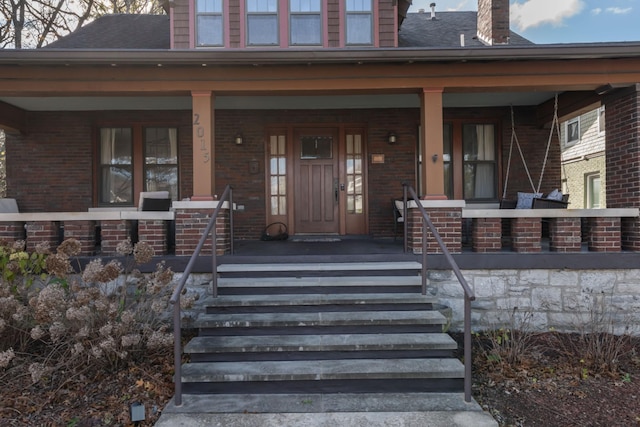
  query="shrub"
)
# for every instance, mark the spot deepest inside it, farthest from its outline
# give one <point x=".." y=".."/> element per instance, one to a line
<point x="108" y="314"/>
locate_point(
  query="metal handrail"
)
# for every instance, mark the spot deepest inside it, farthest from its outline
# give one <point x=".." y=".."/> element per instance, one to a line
<point x="175" y="297"/>
<point x="469" y="295"/>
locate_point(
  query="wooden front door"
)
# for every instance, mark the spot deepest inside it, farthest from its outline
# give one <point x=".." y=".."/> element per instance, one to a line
<point x="316" y="181"/>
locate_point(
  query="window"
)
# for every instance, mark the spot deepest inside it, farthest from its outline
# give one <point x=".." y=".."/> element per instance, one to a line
<point x="161" y="160"/>
<point x="573" y="131"/>
<point x="278" y="175"/>
<point x="479" y="161"/>
<point x="359" y="22"/>
<point x="592" y="190"/>
<point x="120" y="167"/>
<point x="209" y="23"/>
<point x="262" y="22"/>
<point x="116" y="154"/>
<point x="601" y="121"/>
<point x="447" y="155"/>
<point x="355" y="174"/>
<point x="305" y="22"/>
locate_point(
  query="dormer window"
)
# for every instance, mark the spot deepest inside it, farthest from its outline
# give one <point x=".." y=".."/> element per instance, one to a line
<point x="262" y="22"/>
<point x="305" y="22"/>
<point x="209" y="23"/>
<point x="359" y="22"/>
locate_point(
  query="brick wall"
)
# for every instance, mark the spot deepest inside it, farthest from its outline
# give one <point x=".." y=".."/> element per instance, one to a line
<point x="493" y="21"/>
<point x="63" y="146"/>
<point x="623" y="158"/>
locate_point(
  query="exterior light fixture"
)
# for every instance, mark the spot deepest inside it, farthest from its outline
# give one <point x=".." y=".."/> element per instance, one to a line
<point x="391" y="138"/>
<point x="239" y="139"/>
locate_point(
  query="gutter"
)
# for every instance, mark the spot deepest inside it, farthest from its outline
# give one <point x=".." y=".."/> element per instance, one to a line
<point x="67" y="57"/>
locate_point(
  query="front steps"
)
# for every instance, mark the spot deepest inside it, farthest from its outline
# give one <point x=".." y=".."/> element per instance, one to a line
<point x="332" y="350"/>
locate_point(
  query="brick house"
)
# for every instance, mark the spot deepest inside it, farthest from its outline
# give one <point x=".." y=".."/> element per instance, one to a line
<point x="583" y="159"/>
<point x="315" y="115"/>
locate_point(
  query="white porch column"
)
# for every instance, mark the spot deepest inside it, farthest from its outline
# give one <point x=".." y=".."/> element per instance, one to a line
<point x="432" y="134"/>
<point x="204" y="173"/>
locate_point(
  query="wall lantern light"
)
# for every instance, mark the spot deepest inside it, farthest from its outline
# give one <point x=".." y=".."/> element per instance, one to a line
<point x="239" y="139"/>
<point x="391" y="138"/>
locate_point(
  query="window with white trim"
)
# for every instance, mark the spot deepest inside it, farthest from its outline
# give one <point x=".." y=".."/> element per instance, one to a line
<point x="305" y="22"/>
<point x="572" y="131"/>
<point x="359" y="22"/>
<point x="262" y="22"/>
<point x="601" y="121"/>
<point x="592" y="186"/>
<point x="120" y="166"/>
<point x="209" y="23"/>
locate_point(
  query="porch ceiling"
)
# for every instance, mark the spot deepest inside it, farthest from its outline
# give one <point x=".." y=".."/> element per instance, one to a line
<point x="450" y="100"/>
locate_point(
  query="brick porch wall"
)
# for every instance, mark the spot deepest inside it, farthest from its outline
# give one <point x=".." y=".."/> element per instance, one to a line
<point x="72" y="147"/>
<point x="623" y="157"/>
<point x="446" y="220"/>
<point x="191" y="221"/>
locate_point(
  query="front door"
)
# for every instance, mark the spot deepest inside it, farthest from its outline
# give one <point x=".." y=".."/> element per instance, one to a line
<point x="316" y="181"/>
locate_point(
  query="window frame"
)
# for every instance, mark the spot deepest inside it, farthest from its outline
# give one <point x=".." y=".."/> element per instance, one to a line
<point x="220" y="14"/>
<point x="348" y="13"/>
<point x="318" y="13"/>
<point x="602" y="124"/>
<point x="589" y="179"/>
<point x="567" y="127"/>
<point x="138" y="160"/>
<point x="249" y="14"/>
<point x="456" y="161"/>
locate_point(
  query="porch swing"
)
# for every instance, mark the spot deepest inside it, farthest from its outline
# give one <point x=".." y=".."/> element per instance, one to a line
<point x="536" y="199"/>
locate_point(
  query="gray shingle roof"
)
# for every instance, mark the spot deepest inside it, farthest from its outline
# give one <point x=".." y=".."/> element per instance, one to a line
<point x="119" y="32"/>
<point x="152" y="32"/>
<point x="419" y="30"/>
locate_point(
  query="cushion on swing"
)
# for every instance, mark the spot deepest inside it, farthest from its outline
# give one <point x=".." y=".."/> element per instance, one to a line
<point x="555" y="195"/>
<point x="525" y="200"/>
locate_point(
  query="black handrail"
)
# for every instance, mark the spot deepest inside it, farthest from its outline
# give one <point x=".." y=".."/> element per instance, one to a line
<point x="468" y="292"/>
<point x="175" y="297"/>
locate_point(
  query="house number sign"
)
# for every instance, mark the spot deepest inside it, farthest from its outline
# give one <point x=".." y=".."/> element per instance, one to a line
<point x="206" y="156"/>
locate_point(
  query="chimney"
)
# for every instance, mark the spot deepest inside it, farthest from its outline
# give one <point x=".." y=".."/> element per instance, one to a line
<point x="493" y="22"/>
<point x="433" y="10"/>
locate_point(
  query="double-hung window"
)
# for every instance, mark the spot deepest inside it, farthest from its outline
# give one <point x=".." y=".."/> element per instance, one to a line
<point x="262" y="22"/>
<point x="573" y="131"/>
<point x="209" y="23"/>
<point x="305" y="22"/>
<point x="134" y="159"/>
<point x="359" y="22"/>
<point x="479" y="161"/>
<point x="116" y="166"/>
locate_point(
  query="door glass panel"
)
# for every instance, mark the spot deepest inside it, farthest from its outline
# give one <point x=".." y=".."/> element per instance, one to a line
<point x="277" y="172"/>
<point x="316" y="147"/>
<point x="355" y="178"/>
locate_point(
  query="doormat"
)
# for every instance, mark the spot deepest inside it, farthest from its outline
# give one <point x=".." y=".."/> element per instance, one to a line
<point x="316" y="239"/>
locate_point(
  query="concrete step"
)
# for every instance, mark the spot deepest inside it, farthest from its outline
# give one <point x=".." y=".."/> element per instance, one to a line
<point x="326" y="410"/>
<point x="319" y="269"/>
<point x="331" y="318"/>
<point x="309" y="376"/>
<point x="328" y="285"/>
<point x="316" y="299"/>
<point x="331" y="419"/>
<point x="314" y="347"/>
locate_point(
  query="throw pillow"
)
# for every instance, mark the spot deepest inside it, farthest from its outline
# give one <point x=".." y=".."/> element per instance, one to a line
<point x="525" y="200"/>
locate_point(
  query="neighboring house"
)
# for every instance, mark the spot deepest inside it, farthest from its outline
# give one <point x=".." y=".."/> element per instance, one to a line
<point x="315" y="111"/>
<point x="583" y="159"/>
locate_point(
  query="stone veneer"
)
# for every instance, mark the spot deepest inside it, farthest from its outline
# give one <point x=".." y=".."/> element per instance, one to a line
<point x="560" y="299"/>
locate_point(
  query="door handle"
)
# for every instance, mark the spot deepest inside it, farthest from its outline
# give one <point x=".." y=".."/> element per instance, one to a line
<point x="335" y="189"/>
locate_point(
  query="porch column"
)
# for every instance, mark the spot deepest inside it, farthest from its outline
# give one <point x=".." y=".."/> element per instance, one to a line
<point x="622" y="116"/>
<point x="431" y="128"/>
<point x="203" y="145"/>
